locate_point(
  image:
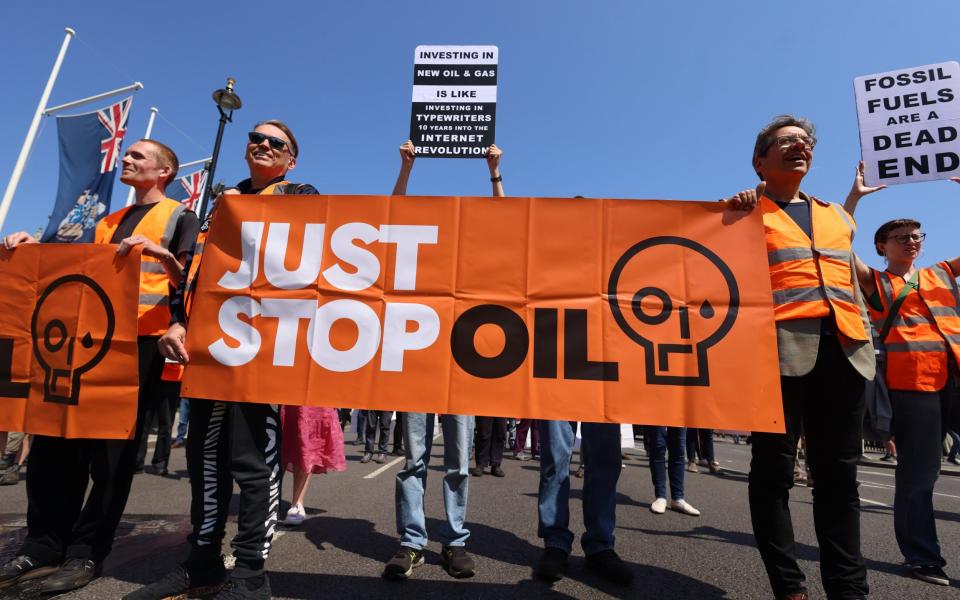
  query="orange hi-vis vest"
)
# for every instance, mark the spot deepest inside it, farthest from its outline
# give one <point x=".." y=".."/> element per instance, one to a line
<point x="158" y="226"/>
<point x="201" y="241"/>
<point x="174" y="371"/>
<point x="813" y="278"/>
<point x="924" y="332"/>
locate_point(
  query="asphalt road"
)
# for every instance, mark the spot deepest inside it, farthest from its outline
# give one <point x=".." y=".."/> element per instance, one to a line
<point x="340" y="550"/>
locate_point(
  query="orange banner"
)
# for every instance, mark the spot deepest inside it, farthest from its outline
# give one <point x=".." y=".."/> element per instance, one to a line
<point x="68" y="340"/>
<point x="653" y="312"/>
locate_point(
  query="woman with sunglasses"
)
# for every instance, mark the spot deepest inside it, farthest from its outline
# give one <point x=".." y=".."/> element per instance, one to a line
<point x="916" y="318"/>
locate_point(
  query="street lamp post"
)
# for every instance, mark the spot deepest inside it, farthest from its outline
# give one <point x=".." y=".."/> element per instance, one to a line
<point x="227" y="101"/>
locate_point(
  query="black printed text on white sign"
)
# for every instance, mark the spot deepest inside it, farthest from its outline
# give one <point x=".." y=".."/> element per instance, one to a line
<point x="454" y="100"/>
<point x="909" y="123"/>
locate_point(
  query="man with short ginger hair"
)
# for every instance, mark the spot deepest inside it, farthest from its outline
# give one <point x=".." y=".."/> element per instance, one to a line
<point x="61" y="527"/>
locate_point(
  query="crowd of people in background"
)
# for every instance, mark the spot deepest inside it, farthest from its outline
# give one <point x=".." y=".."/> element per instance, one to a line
<point x="849" y="337"/>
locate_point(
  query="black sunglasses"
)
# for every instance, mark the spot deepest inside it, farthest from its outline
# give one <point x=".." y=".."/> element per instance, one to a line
<point x="258" y="138"/>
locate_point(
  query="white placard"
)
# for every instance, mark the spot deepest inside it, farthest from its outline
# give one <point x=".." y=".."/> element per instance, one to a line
<point x="454" y="100"/>
<point x="909" y="124"/>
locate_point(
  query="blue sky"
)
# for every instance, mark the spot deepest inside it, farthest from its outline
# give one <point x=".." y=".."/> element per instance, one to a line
<point x="604" y="99"/>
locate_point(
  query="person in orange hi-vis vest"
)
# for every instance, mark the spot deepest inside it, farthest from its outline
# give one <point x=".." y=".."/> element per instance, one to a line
<point x="916" y="317"/>
<point x="230" y="441"/>
<point x="826" y="356"/>
<point x="60" y="525"/>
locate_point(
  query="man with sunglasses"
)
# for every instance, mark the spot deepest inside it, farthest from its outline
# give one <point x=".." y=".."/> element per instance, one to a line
<point x="230" y="441"/>
<point x="826" y="356"/>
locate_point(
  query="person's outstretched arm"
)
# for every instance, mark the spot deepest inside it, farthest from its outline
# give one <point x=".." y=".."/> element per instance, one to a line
<point x="955" y="263"/>
<point x="493" y="162"/>
<point x="858" y="190"/>
<point x="407" y="156"/>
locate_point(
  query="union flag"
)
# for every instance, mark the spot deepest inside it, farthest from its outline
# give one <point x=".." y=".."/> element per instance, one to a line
<point x="90" y="149"/>
<point x="188" y="189"/>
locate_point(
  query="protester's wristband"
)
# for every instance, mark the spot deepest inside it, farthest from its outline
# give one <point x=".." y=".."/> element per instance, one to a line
<point x="496" y="179"/>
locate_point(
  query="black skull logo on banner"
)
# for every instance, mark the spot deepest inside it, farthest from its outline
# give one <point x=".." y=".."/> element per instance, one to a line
<point x="666" y="309"/>
<point x="72" y="326"/>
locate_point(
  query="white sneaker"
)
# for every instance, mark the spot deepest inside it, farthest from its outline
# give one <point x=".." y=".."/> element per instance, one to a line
<point x="295" y="515"/>
<point x="682" y="506"/>
<point x="659" y="506"/>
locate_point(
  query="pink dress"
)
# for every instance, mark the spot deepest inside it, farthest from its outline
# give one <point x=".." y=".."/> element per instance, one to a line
<point x="312" y="439"/>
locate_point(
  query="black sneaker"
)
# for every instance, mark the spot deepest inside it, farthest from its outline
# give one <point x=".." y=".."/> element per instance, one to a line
<point x="931" y="574"/>
<point x="497" y="471"/>
<point x="610" y="566"/>
<point x="23" y="568"/>
<point x="255" y="588"/>
<point x="403" y="563"/>
<point x="73" y="574"/>
<point x="552" y="564"/>
<point x="178" y="583"/>
<point x="457" y="562"/>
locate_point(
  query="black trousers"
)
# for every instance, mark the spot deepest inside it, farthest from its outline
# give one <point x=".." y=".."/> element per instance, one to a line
<point x="827" y="406"/>
<point x="233" y="441"/>
<point x="59" y="522"/>
<point x="917" y="419"/>
<point x="491" y="436"/>
<point x="398" y="432"/>
<point x="377" y="420"/>
<point x="162" y="408"/>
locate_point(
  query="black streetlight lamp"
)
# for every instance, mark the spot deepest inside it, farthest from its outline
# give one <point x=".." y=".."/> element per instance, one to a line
<point x="227" y="101"/>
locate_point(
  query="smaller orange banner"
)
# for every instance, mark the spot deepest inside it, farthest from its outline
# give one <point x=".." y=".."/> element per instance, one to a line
<point x="68" y="340"/>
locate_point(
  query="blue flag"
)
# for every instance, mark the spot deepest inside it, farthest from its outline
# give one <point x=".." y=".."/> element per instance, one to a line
<point x="188" y="189"/>
<point x="89" y="153"/>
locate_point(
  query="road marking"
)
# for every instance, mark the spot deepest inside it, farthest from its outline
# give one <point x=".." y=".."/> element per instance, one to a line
<point x="885" y="486"/>
<point x="880" y="473"/>
<point x="385" y="467"/>
<point x="862" y="499"/>
<point x="390" y="464"/>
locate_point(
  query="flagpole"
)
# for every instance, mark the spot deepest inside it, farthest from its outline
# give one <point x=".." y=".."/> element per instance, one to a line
<point x="133" y="87"/>
<point x="32" y="132"/>
<point x="195" y="162"/>
<point x="146" y="136"/>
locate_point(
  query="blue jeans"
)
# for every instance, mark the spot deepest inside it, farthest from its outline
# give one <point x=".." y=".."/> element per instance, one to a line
<point x="602" y="442"/>
<point x="184" y="419"/>
<point x="661" y="440"/>
<point x="412" y="479"/>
